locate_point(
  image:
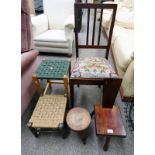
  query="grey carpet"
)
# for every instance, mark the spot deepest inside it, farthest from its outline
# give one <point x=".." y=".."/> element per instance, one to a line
<point x="85" y="96"/>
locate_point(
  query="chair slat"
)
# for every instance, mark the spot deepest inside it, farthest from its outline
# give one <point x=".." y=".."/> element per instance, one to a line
<point x="99" y="32"/>
<point x="88" y="17"/>
<point x="94" y="26"/>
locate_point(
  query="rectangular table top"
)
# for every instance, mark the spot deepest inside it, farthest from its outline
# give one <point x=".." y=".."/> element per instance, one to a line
<point x="53" y="69"/>
<point x="109" y="121"/>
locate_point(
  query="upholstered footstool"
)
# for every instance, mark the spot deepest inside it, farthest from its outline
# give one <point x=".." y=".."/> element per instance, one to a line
<point x="78" y="120"/>
<point x="49" y="115"/>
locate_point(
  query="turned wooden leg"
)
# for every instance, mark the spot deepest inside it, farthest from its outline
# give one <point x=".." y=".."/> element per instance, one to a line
<point x="50" y="84"/>
<point x="37" y="84"/>
<point x="106" y="144"/>
<point x="66" y="85"/>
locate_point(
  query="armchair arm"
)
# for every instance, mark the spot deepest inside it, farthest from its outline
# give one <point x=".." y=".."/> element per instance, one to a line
<point x="39" y="24"/>
<point x="69" y="27"/>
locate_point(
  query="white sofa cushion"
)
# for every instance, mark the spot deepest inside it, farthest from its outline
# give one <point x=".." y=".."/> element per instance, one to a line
<point x="124" y="16"/>
<point x="52" y="36"/>
<point x="128" y="3"/>
<point x="58" y="11"/>
<point x="123" y="48"/>
<point x="52" y="44"/>
<point x="39" y="24"/>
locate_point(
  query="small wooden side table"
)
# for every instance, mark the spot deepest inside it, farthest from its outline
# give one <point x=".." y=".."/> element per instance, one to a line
<point x="78" y="120"/>
<point x="108" y="123"/>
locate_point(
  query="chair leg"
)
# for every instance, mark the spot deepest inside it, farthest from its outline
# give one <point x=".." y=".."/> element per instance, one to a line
<point x="72" y="95"/>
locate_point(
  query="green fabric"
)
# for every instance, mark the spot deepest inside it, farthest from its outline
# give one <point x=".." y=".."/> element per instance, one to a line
<point x="53" y="69"/>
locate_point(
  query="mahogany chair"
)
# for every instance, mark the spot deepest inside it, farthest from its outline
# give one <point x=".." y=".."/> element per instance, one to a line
<point x="94" y="70"/>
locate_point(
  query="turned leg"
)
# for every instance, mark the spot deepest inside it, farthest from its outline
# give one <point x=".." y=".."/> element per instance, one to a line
<point x="37" y="84"/>
<point x="66" y="85"/>
<point x="50" y="84"/>
<point x="106" y="144"/>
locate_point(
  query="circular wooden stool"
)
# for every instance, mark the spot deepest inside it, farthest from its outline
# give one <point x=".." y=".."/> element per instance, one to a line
<point x="78" y="119"/>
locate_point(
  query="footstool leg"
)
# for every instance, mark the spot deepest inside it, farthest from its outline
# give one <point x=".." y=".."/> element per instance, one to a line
<point x="106" y="144"/>
<point x="33" y="130"/>
<point x="82" y="136"/>
<point x="50" y="84"/>
<point x="37" y="84"/>
<point x="66" y="85"/>
<point x="62" y="130"/>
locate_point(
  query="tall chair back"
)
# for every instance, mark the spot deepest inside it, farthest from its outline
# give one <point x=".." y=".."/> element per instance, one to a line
<point x="93" y="38"/>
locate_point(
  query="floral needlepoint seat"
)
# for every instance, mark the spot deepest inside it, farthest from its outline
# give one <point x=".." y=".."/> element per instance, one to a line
<point x="92" y="67"/>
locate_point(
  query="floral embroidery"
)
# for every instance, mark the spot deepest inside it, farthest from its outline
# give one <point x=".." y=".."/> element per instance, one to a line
<point x="93" y="67"/>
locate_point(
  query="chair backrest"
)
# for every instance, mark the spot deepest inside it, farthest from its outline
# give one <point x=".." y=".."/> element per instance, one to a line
<point x="92" y="37"/>
<point x="58" y="11"/>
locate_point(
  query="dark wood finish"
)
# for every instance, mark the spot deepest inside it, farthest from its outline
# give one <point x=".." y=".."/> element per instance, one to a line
<point x="110" y="86"/>
<point x="106" y="144"/>
<point x="99" y="32"/>
<point x="94" y="26"/>
<point x="108" y="122"/>
<point x="83" y="136"/>
<point x="88" y="6"/>
<point x="88" y="26"/>
<point x="109" y="118"/>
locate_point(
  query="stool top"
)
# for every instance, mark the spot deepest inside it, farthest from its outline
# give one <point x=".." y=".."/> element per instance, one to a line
<point x="53" y="69"/>
<point x="78" y="119"/>
<point x="109" y="121"/>
<point x="49" y="111"/>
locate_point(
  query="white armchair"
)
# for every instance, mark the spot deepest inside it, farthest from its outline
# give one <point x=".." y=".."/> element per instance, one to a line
<point x="53" y="30"/>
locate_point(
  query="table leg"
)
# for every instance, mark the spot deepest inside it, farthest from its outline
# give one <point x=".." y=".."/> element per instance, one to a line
<point x="106" y="144"/>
